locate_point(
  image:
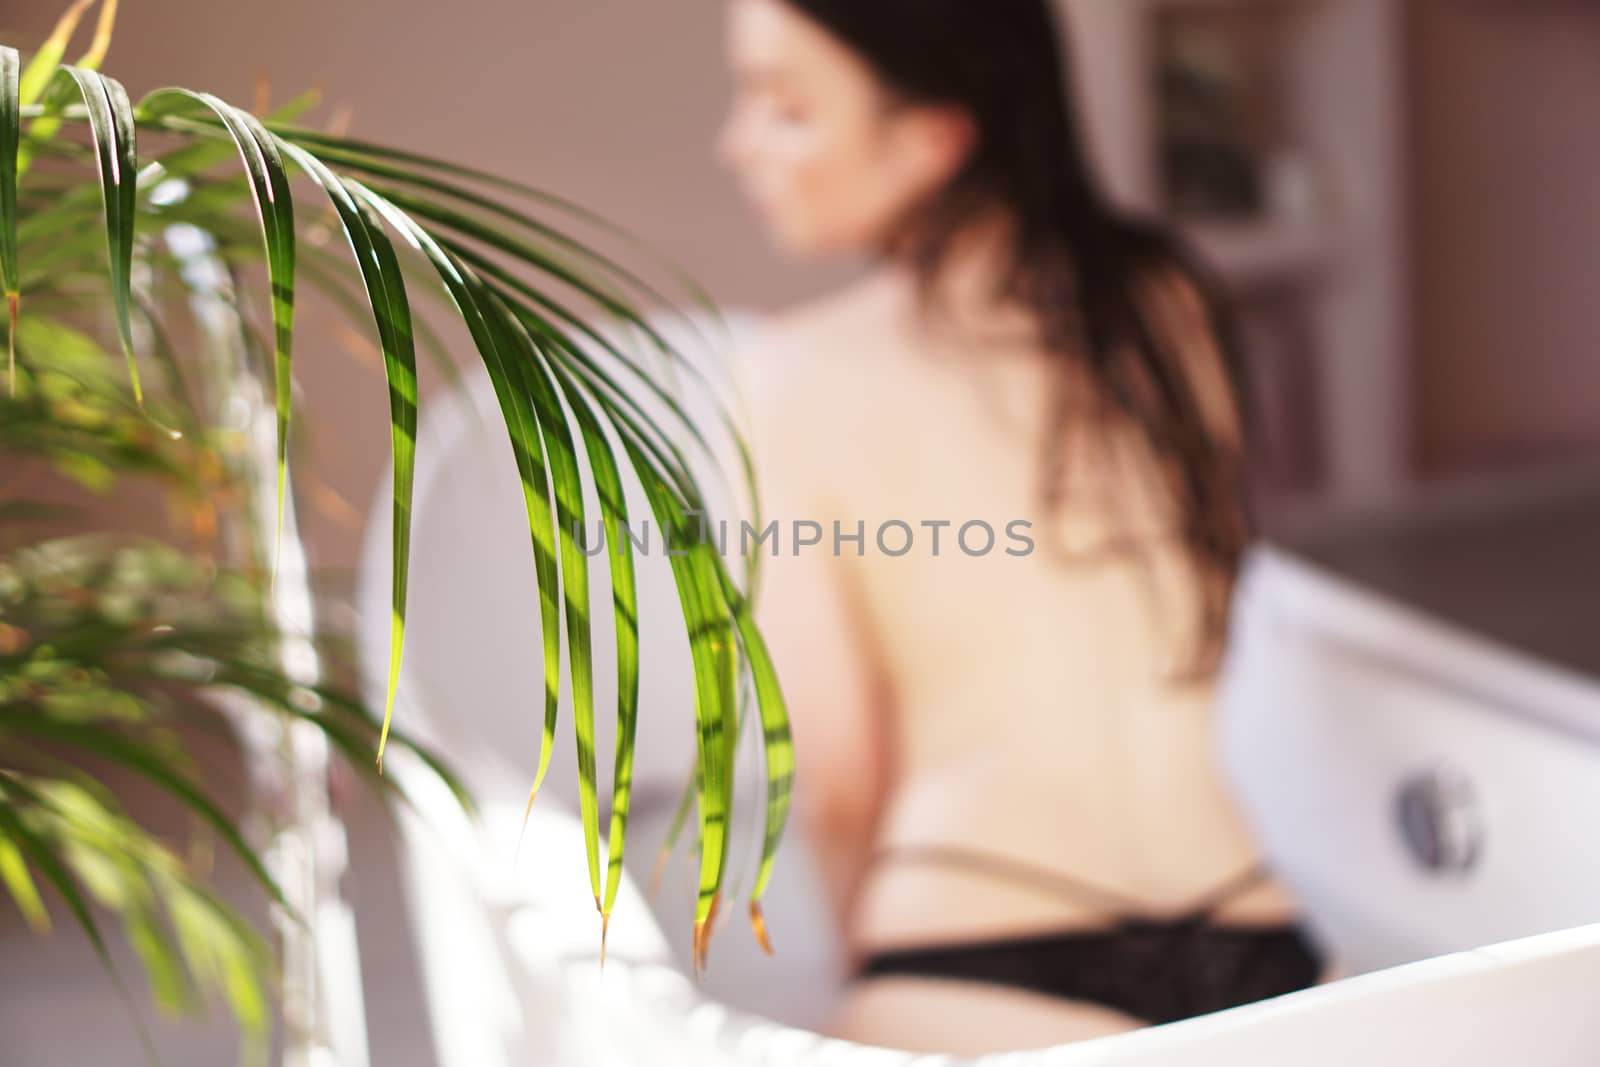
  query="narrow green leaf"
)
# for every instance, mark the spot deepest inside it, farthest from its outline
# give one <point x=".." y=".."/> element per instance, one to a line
<point x="493" y="232"/>
<point x="10" y="139"/>
<point x="111" y="123"/>
<point x="386" y="293"/>
<point x="41" y="852"/>
<point x="269" y="189"/>
<point x="712" y="649"/>
<point x="715" y="662"/>
<point x="14" y="872"/>
<point x="346" y="712"/>
<point x="44" y="858"/>
<point x="777" y="745"/>
<point x="38" y="79"/>
<point x="223" y="954"/>
<point x="368" y="157"/>
<point x="625" y="608"/>
<point x="542" y="320"/>
<point x="101" y="44"/>
<point x="613" y="506"/>
<point x="164" y="971"/>
<point x="329" y="272"/>
<point x="45" y="62"/>
<point x="571" y="519"/>
<point x="152" y="765"/>
<point x="533" y="404"/>
<point x="590" y="370"/>
<point x="277" y="221"/>
<point x="705" y="636"/>
<point x="202" y="153"/>
<point x="497" y="348"/>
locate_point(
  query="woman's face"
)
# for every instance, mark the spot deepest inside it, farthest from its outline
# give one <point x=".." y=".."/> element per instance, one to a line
<point x="816" y="142"/>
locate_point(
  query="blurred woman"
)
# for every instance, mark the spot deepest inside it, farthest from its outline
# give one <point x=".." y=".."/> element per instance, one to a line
<point x="1019" y="440"/>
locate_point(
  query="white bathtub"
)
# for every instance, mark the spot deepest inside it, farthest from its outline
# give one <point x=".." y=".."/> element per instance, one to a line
<point x="1336" y="702"/>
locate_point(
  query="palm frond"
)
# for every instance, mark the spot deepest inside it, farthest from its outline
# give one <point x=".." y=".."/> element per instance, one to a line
<point x="537" y="301"/>
<point x="108" y="646"/>
<point x="111" y="122"/>
<point x="269" y="188"/>
<point x="10" y="141"/>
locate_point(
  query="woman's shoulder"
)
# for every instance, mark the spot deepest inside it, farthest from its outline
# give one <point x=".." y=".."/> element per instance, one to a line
<point x="821" y="354"/>
<point x="814" y="381"/>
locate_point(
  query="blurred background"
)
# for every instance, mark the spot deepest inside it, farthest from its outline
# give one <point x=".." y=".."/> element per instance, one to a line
<point x="1400" y="194"/>
<point x="1398" y="189"/>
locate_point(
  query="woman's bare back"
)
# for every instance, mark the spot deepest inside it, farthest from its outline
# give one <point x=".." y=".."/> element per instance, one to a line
<point x="954" y="681"/>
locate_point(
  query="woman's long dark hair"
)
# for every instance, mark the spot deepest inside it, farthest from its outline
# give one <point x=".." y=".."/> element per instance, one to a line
<point x="1118" y="298"/>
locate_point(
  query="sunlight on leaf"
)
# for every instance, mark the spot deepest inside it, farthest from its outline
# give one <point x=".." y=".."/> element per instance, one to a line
<point x="269" y="188"/>
<point x="386" y="293"/>
<point x="14" y="872"/>
<point x="111" y="122"/>
<point x="42" y="67"/>
<point x="545" y="312"/>
<point x="10" y="139"/>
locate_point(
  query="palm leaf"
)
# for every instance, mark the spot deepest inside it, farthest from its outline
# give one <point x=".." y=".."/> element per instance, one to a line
<point x="38" y="851"/>
<point x="378" y="159"/>
<point x="537" y="341"/>
<point x="269" y="187"/>
<point x="491" y="233"/>
<point x="386" y="293"/>
<point x="20" y="884"/>
<point x="48" y="58"/>
<point x="704" y="589"/>
<point x="496" y="348"/>
<point x="155" y="767"/>
<point x="706" y="647"/>
<point x="650" y="463"/>
<point x="38" y="78"/>
<point x="625" y="607"/>
<point x="567" y="485"/>
<point x="198" y="156"/>
<point x="10" y="139"/>
<point x="778" y="746"/>
<point x="73" y="833"/>
<point x="111" y="123"/>
<point x="88" y="649"/>
<point x="101" y="42"/>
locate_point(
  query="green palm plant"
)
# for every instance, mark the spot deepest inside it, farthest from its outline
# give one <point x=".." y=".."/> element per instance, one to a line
<point x="107" y="647"/>
<point x="112" y="648"/>
<point x="505" y="260"/>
